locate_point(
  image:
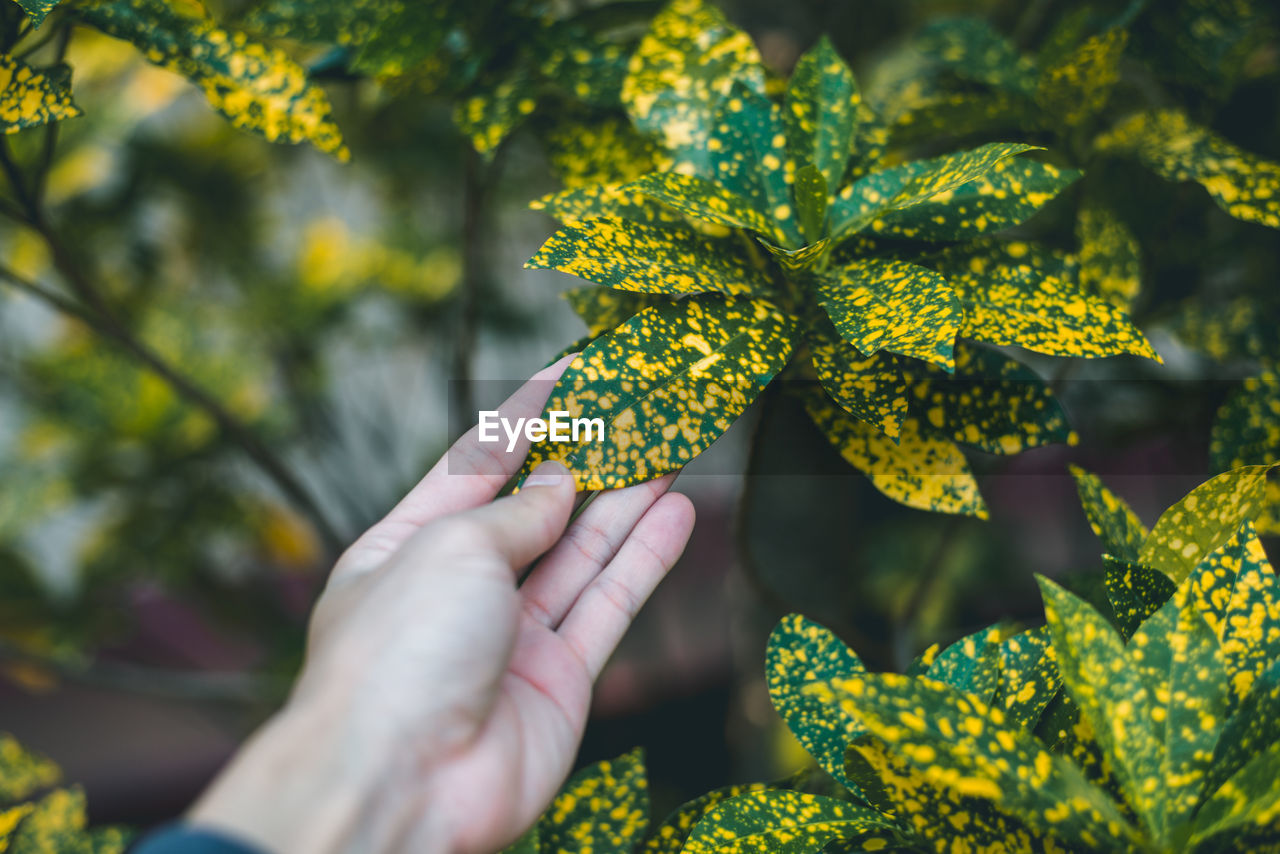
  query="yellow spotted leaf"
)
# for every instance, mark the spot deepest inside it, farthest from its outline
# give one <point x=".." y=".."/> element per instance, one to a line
<point x="664" y="385"/>
<point x="703" y="200"/>
<point x="258" y="88"/>
<point x="821" y="113"/>
<point x="490" y="115"/>
<point x="1203" y="520"/>
<point x="880" y="304"/>
<point x="1112" y="520"/>
<point x="1169" y="144"/>
<point x="23" y="773"/>
<point x="604" y="151"/>
<point x="919" y="470"/>
<point x="604" y="807"/>
<point x="1079" y="84"/>
<point x="1110" y="258"/>
<point x="871" y="388"/>
<point x="689" y="59"/>
<point x="671" y="835"/>
<point x="38" y="10"/>
<point x="785" y="822"/>
<point x="1135" y="592"/>
<point x="29" y="98"/>
<point x="650" y="259"/>
<point x="602" y="309"/>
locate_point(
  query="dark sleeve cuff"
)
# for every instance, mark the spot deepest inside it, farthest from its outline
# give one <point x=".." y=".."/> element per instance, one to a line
<point x="181" y="839"/>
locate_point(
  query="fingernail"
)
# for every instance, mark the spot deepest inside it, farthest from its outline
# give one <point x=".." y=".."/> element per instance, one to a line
<point x="548" y="473"/>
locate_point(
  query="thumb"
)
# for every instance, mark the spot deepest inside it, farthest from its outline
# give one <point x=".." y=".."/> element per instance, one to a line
<point x="522" y="526"/>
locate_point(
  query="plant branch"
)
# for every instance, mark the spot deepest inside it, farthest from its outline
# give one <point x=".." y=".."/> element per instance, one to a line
<point x="91" y="309"/>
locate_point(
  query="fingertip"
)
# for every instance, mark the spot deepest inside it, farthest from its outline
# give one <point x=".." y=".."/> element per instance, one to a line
<point x="557" y="368"/>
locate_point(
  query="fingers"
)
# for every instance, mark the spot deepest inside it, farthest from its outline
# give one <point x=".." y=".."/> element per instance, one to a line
<point x="523" y="526"/>
<point x="601" y="615"/>
<point x="470" y="474"/>
<point x="587" y="547"/>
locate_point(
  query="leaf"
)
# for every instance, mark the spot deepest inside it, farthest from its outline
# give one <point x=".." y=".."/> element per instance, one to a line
<point x="1203" y="520"/>
<point x="811" y="202"/>
<point x="38" y="10"/>
<point x="962" y="115"/>
<point x="585" y="65"/>
<point x="1110" y="517"/>
<point x="23" y="773"/>
<point x="1110" y="257"/>
<point x="971" y="665"/>
<point x="919" y="470"/>
<point x="821" y="115"/>
<point x="671" y="835"/>
<point x="1135" y="593"/>
<point x="605" y="151"/>
<point x="957" y="743"/>
<point x="1111" y="695"/>
<point x="879" y="304"/>
<point x="648" y="259"/>
<point x="258" y="88"/>
<point x="783" y="822"/>
<point x="1078" y="86"/>
<point x="971" y="49"/>
<point x="1247" y="801"/>
<point x="56" y="825"/>
<point x="29" y="98"/>
<point x="1239" y="595"/>
<point x="667" y="383"/>
<point x="705" y="201"/>
<point x="1246" y="429"/>
<point x="489" y="117"/>
<point x="690" y="57"/>
<point x="748" y="150"/>
<point x="603" y="807"/>
<point x="603" y="309"/>
<point x="912" y="183"/>
<point x="991" y="402"/>
<point x="1028" y="677"/>
<point x="605" y="201"/>
<point x="871" y="388"/>
<point x="800" y="653"/>
<point x="1007" y="195"/>
<point x="1167" y="143"/>
<point x="1252" y="727"/>
<point x="1016" y="293"/>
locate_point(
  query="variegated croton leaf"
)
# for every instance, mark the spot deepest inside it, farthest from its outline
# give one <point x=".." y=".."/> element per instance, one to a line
<point x="767" y="227"/>
<point x="1159" y="737"/>
<point x="37" y="815"/>
<point x="29" y="98"/>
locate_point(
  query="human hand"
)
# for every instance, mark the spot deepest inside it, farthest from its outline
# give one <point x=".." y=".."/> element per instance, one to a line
<point x="441" y="706"/>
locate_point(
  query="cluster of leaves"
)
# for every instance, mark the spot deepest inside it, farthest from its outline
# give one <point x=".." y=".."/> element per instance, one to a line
<point x="1148" y="723"/>
<point x="38" y="816"/>
<point x="741" y="237"/>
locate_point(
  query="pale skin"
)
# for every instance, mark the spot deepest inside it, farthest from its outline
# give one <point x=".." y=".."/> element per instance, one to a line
<point x="442" y="703"/>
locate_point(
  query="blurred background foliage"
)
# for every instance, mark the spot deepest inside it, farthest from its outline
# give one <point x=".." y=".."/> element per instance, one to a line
<point x="160" y="541"/>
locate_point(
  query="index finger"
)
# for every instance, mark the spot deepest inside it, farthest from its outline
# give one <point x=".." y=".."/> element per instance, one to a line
<point x="470" y="474"/>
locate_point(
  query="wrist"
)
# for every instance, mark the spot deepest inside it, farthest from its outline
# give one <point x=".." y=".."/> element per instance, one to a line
<point x="299" y="786"/>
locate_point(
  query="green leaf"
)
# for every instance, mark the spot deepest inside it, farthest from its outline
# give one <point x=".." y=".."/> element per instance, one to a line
<point x="912" y="183"/>
<point x="783" y="822"/>
<point x="956" y="742"/>
<point x="991" y="402"/>
<point x="673" y="833"/>
<point x="648" y="259"/>
<point x="604" y="151"/>
<point x="871" y="388"/>
<point x="796" y="260"/>
<point x="700" y="199"/>
<point x="748" y="150"/>
<point x="258" y="88"/>
<point x="1108" y="688"/>
<point x="585" y="65"/>
<point x="1203" y="520"/>
<point x="1028" y="677"/>
<point x="962" y="115"/>
<point x="56" y="825"/>
<point x="1167" y="143"/>
<point x="29" y="98"/>
<point x="821" y="114"/>
<point x="1016" y="293"/>
<point x="1246" y="802"/>
<point x="1252" y="727"/>
<point x="1110" y="517"/>
<point x="800" y="653"/>
<point x="23" y="773"/>
<point x="971" y="665"/>
<point x="1078" y="85"/>
<point x="1239" y="595"/>
<point x="1135" y="593"/>
<point x="607" y="201"/>
<point x="971" y="49"/>
<point x="489" y="117"/>
<point x="918" y="470"/>
<point x="38" y="10"/>
<point x="1110" y="258"/>
<point x="1007" y="195"/>
<point x="879" y="304"/>
<point x="603" y="309"/>
<point x="690" y="57"/>
<point x="604" y="807"/>
<point x="1246" y="429"/>
<point x="811" y="201"/>
<point x="666" y="383"/>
